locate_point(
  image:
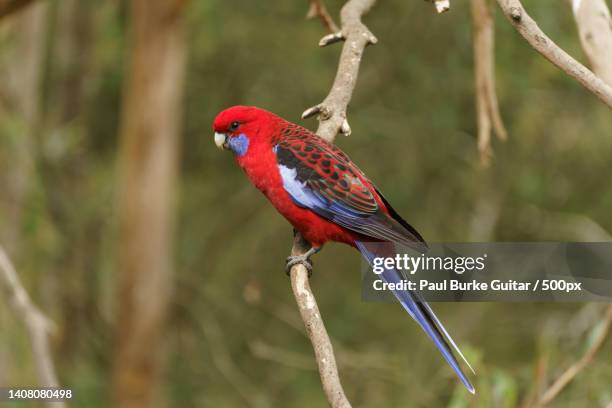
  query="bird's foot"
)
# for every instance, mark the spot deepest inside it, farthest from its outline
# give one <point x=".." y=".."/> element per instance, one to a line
<point x="298" y="259"/>
<point x="301" y="259"/>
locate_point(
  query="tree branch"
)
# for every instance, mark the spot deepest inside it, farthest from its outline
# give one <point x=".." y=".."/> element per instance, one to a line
<point x="315" y="328"/>
<point x="332" y="120"/>
<point x="10" y="6"/>
<point x="595" y="29"/>
<point x="568" y="375"/>
<point x="332" y="111"/>
<point x="38" y="326"/>
<point x="147" y="177"/>
<point x="528" y="28"/>
<point x="318" y="9"/>
<point x="487" y="106"/>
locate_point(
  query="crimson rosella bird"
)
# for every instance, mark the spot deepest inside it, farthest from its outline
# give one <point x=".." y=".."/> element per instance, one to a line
<point x="326" y="197"/>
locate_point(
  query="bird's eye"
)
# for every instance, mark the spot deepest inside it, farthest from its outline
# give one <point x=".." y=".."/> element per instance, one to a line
<point x="233" y="126"/>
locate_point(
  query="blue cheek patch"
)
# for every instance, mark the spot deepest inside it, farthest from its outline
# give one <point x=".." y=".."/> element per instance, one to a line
<point x="239" y="144"/>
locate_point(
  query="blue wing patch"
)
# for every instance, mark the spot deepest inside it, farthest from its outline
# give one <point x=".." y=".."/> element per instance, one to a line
<point x="308" y="189"/>
<point x="305" y="197"/>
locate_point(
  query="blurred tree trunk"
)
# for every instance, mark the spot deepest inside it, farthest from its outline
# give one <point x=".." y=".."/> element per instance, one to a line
<point x="151" y="114"/>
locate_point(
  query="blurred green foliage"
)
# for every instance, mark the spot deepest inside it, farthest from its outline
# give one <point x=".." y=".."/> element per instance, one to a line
<point x="235" y="338"/>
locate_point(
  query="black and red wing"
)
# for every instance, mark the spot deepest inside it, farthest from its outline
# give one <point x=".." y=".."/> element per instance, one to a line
<point x="319" y="176"/>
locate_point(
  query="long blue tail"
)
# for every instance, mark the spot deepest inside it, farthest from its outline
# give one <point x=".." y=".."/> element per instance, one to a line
<point x="418" y="309"/>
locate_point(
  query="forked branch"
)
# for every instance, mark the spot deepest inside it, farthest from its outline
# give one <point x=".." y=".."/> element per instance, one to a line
<point x="332" y="111"/>
<point x="332" y="120"/>
<point x="528" y="28"/>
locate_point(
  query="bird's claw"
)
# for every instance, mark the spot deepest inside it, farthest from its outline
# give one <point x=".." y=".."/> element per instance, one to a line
<point x="303" y="259"/>
<point x="299" y="259"/>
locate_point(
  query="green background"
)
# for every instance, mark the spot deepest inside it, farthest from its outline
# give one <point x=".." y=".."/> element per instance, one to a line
<point x="235" y="337"/>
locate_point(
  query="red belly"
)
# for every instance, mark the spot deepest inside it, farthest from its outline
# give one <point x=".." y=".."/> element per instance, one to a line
<point x="260" y="166"/>
<point x="316" y="229"/>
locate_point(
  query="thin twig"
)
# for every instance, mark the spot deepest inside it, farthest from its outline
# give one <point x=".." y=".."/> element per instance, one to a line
<point x="528" y="28"/>
<point x="568" y="375"/>
<point x="484" y="74"/>
<point x="39" y="327"/>
<point x="11" y="6"/>
<point x="318" y="9"/>
<point x="332" y="120"/>
<point x="539" y="379"/>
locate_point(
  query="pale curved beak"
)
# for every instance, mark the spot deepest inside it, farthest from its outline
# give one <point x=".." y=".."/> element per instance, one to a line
<point x="220" y="140"/>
